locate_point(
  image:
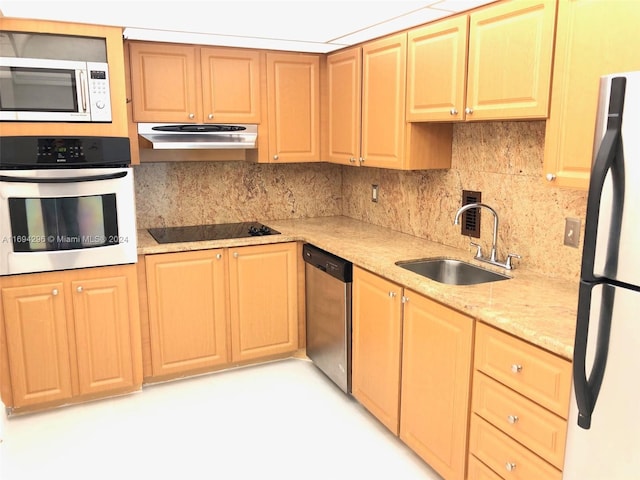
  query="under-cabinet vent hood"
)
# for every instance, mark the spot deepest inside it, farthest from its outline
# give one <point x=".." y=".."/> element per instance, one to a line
<point x="167" y="136"/>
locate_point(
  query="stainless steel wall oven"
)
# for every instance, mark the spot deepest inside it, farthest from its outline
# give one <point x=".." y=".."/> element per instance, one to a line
<point x="65" y="203"/>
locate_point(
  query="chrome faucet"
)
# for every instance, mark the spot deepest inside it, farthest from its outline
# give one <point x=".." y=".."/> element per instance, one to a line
<point x="493" y="260"/>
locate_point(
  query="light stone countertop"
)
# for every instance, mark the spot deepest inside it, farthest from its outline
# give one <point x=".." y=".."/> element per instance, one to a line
<point x="534" y="307"/>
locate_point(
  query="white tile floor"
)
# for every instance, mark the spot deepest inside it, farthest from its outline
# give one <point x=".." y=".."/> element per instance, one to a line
<point x="282" y="420"/>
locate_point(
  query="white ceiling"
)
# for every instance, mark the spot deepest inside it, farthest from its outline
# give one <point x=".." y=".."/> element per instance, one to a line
<point x="299" y="25"/>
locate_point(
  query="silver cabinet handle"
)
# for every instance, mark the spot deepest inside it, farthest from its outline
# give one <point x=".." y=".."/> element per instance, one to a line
<point x="510" y="466"/>
<point x="192" y="116"/>
<point x="361" y="160"/>
<point x="453" y="111"/>
<point x="236" y="254"/>
<point x="392" y="294"/>
<point x="551" y="177"/>
<point x="468" y="110"/>
<point x="54" y="292"/>
<point x="79" y="289"/>
<point x="405" y="299"/>
<point x="352" y="160"/>
<point x="512" y="419"/>
<point x="275" y="157"/>
<point x="516" y="368"/>
<point x="219" y="256"/>
<point x="210" y="116"/>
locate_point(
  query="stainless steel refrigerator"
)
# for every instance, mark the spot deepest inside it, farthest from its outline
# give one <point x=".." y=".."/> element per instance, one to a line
<point x="603" y="440"/>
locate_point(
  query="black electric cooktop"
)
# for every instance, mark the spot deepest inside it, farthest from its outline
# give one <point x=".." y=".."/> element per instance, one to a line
<point x="219" y="231"/>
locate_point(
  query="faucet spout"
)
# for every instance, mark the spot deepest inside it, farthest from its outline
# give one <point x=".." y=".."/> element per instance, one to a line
<point x="469" y="206"/>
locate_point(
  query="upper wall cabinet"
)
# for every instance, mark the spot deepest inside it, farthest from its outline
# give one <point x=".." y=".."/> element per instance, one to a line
<point x="594" y="38"/>
<point x="118" y="126"/>
<point x="508" y="62"/>
<point x="293" y="97"/>
<point x="366" y="111"/>
<point x="191" y="84"/>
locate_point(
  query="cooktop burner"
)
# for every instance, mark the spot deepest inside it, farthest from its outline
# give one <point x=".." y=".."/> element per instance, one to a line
<point x="219" y="231"/>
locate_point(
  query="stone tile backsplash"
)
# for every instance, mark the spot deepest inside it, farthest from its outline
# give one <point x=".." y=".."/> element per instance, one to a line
<point x="503" y="160"/>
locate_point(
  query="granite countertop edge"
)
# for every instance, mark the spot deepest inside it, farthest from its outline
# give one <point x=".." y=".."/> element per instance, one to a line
<point x="536" y="308"/>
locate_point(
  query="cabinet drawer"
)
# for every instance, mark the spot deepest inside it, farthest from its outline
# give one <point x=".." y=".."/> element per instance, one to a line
<point x="506" y="456"/>
<point x="527" y="422"/>
<point x="479" y="471"/>
<point x="533" y="372"/>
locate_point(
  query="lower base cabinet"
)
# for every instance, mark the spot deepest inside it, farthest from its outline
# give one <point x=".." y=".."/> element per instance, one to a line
<point x="210" y="308"/>
<point x="69" y="336"/>
<point x="412" y="369"/>
<point x="436" y="371"/>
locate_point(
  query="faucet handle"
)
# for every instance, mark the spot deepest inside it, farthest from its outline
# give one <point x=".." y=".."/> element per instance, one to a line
<point x="479" y="249"/>
<point x="508" y="264"/>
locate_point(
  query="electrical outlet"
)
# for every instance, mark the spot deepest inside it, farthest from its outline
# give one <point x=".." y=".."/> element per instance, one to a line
<point x="374" y="193"/>
<point x="572" y="232"/>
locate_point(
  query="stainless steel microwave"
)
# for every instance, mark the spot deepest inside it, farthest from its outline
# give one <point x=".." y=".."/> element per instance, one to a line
<point x="44" y="90"/>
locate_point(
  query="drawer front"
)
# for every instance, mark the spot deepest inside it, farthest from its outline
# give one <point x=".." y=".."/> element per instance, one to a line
<point x="506" y="456"/>
<point x="479" y="471"/>
<point x="531" y="371"/>
<point x="520" y="418"/>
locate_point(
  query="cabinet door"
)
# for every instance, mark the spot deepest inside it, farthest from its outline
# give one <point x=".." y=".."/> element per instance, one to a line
<point x="436" y="371"/>
<point x="37" y="343"/>
<point x="383" y="101"/>
<point x="230" y="85"/>
<point x="377" y="327"/>
<point x="293" y="85"/>
<point x="164" y="83"/>
<point x="344" y="74"/>
<point x="102" y="313"/>
<point x="437" y="71"/>
<point x="510" y="57"/>
<point x="187" y="311"/>
<point x="263" y="286"/>
<point x="593" y="39"/>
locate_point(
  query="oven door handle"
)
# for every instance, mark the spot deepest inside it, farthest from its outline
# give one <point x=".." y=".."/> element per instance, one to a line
<point x="89" y="178"/>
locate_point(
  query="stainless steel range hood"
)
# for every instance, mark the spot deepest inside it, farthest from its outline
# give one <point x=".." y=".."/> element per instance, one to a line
<point x="166" y="136"/>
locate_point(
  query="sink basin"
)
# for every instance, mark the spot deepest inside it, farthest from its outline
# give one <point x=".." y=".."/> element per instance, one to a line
<point x="451" y="272"/>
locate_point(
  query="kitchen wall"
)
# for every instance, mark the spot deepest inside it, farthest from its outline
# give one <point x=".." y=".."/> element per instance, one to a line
<point x="193" y="193"/>
<point x="503" y="160"/>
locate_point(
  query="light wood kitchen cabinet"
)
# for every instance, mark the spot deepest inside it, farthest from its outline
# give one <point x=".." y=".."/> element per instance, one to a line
<point x="520" y="406"/>
<point x="508" y="59"/>
<point x="263" y="293"/>
<point x="71" y="335"/>
<point x="436" y="371"/>
<point x="366" y="111"/>
<point x="437" y="71"/>
<point x="376" y="346"/>
<point x="187" y="304"/>
<point x="193" y="84"/>
<point x="593" y="39"/>
<point x="293" y="98"/>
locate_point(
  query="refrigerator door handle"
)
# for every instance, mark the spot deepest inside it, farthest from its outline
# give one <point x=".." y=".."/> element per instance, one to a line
<point x="610" y="149"/>
<point x="587" y="391"/>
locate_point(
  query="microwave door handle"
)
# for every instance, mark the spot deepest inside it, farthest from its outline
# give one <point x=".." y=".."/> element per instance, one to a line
<point x="88" y="178"/>
<point x="83" y="91"/>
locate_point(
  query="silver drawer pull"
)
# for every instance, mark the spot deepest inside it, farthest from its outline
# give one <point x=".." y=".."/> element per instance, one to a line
<point x="510" y="466"/>
<point x="79" y="289"/>
<point x="516" y="368"/>
<point x="54" y="292"/>
<point x="512" y="419"/>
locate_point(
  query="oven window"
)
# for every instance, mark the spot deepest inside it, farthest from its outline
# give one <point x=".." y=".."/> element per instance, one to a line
<point x="37" y="90"/>
<point x="64" y="223"/>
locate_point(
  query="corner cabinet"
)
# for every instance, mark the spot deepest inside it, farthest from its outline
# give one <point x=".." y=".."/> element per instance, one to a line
<point x="193" y="84"/>
<point x="494" y="64"/>
<point x="70" y="335"/>
<point x="293" y="105"/>
<point x="366" y="111"/>
<point x="212" y="308"/>
<point x="594" y="38"/>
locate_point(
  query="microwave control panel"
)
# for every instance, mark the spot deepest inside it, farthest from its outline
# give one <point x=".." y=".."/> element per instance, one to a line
<point x="99" y="93"/>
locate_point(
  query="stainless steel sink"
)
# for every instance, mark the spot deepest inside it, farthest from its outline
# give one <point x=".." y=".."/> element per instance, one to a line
<point x="451" y="272"/>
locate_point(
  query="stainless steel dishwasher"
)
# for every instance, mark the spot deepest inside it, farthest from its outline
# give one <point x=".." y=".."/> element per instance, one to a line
<point x="328" y="308"/>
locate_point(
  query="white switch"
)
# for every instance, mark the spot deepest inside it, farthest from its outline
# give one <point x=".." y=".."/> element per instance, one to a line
<point x="374" y="193"/>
